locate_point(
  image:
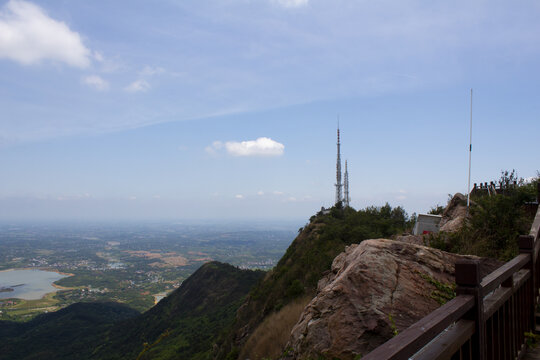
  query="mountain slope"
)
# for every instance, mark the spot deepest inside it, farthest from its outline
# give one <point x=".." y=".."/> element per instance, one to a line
<point x="306" y="260"/>
<point x="61" y="334"/>
<point x="194" y="315"/>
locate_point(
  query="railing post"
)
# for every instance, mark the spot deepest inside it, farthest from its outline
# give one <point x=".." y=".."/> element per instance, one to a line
<point x="526" y="246"/>
<point x="538" y="192"/>
<point x="468" y="283"/>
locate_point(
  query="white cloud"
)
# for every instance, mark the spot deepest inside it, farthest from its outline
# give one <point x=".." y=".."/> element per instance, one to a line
<point x="263" y="146"/>
<point x="96" y="82"/>
<point x="212" y="149"/>
<point x="98" y="56"/>
<point x="138" y="86"/>
<point x="239" y="196"/>
<point x="276" y="192"/>
<point x="260" y="193"/>
<point x="151" y="70"/>
<point x="73" y="197"/>
<point x="291" y="3"/>
<point x="28" y="35"/>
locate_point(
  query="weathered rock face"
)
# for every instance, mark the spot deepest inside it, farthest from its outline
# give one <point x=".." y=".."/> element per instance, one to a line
<point x="374" y="289"/>
<point x="412" y="239"/>
<point x="454" y="214"/>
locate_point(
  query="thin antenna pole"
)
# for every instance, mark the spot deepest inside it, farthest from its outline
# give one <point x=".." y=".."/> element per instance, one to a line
<point x="339" y="185"/>
<point x="470" y="153"/>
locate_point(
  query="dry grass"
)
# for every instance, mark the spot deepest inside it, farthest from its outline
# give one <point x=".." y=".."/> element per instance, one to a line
<point x="270" y="338"/>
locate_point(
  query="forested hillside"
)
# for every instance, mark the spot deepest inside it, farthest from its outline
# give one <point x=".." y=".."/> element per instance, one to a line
<point x="296" y="275"/>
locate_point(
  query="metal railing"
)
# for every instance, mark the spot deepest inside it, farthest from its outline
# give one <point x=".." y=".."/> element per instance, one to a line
<point x="489" y="317"/>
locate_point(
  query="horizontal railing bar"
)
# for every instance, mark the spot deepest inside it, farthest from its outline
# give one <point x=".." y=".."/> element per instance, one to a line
<point x="441" y="333"/>
<point x="448" y="343"/>
<point x="495" y="300"/>
<point x="410" y="340"/>
<point x="491" y="281"/>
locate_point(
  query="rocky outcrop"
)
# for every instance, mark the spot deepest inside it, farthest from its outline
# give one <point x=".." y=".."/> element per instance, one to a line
<point x="374" y="289"/>
<point x="412" y="239"/>
<point x="454" y="214"/>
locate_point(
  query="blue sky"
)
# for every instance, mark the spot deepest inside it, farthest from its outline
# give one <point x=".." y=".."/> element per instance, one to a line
<point x="227" y="109"/>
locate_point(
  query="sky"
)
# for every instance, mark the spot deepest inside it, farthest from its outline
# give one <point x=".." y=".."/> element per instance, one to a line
<point x="139" y="110"/>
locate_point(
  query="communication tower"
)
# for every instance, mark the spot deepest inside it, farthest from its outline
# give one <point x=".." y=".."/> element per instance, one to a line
<point x="346" y="199"/>
<point x="339" y="185"/>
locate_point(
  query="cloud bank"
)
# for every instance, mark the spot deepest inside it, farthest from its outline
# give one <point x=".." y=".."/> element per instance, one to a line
<point x="28" y="36"/>
<point x="263" y="146"/>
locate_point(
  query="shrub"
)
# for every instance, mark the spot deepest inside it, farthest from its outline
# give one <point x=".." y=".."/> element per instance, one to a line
<point x="494" y="223"/>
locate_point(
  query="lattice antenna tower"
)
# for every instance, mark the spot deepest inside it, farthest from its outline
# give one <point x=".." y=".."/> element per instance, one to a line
<point x="339" y="185"/>
<point x="346" y="199"/>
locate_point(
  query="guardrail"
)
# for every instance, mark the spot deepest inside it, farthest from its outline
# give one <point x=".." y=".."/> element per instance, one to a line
<point x="489" y="317"/>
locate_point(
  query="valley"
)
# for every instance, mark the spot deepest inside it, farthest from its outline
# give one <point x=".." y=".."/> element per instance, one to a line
<point x="134" y="264"/>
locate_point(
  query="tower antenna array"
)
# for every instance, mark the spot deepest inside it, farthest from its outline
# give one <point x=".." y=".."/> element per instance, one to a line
<point x="346" y="186"/>
<point x="470" y="153"/>
<point x="339" y="185"/>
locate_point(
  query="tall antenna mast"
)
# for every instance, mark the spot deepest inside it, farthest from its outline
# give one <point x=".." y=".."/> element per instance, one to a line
<point x="338" y="170"/>
<point x="346" y="186"/>
<point x="470" y="153"/>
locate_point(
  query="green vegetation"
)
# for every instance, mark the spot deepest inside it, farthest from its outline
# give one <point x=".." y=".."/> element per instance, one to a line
<point x="531" y="339"/>
<point x="184" y="325"/>
<point x="147" y="347"/>
<point x="194" y="316"/>
<point x="443" y="292"/>
<point x="436" y="210"/>
<point x="393" y="325"/>
<point x="221" y="311"/>
<point x="309" y="256"/>
<point x="494" y="223"/>
<point x="128" y="263"/>
<point x="313" y="251"/>
<point x="61" y="334"/>
<point x="24" y="310"/>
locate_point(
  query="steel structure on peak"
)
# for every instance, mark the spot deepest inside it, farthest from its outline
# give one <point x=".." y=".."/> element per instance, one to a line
<point x="346" y="199"/>
<point x="339" y="185"/>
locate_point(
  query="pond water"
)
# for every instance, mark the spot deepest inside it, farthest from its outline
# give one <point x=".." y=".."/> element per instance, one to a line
<point x="29" y="284"/>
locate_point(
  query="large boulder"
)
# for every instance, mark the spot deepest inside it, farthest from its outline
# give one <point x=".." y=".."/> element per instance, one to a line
<point x="454" y="214"/>
<point x="374" y="290"/>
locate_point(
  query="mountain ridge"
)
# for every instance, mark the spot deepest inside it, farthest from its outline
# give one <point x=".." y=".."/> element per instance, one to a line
<point x="192" y="317"/>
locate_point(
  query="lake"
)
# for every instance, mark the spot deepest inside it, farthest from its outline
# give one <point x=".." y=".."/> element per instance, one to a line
<point x="29" y="284"/>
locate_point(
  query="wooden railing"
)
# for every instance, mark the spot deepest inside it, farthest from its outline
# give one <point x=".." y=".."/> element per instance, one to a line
<point x="489" y="317"/>
<point x="493" y="188"/>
